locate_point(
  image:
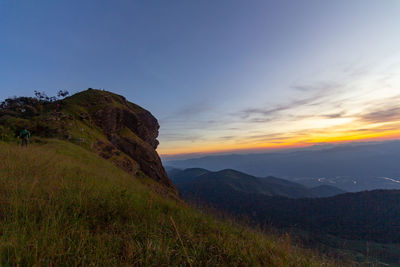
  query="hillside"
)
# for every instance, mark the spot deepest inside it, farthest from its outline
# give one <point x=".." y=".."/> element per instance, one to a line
<point x="193" y="181"/>
<point x="62" y="204"/>
<point x="68" y="200"/>
<point x="369" y="218"/>
<point x="349" y="215"/>
<point x="99" y="121"/>
<point x="362" y="225"/>
<point x="326" y="191"/>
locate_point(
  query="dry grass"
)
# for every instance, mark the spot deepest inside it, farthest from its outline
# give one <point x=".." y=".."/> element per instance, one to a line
<point x="62" y="205"/>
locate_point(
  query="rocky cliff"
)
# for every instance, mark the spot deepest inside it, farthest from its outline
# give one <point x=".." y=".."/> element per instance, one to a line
<point x="101" y="121"/>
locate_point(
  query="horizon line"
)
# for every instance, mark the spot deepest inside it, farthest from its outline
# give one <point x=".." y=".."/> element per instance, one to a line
<point x="259" y="150"/>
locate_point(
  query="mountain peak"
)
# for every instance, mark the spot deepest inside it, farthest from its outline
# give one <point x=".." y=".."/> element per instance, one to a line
<point x="233" y="174"/>
<point x="101" y="121"/>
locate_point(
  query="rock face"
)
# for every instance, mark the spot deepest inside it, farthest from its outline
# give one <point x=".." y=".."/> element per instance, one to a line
<point x="101" y="121"/>
<point x="128" y="128"/>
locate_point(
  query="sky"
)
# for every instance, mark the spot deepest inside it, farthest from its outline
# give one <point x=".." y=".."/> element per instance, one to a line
<point x="220" y="76"/>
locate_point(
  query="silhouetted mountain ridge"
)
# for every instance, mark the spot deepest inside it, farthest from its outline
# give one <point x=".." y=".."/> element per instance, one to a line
<point x="326" y="191"/>
<point x="350" y="167"/>
<point x="364" y="219"/>
<point x="369" y="215"/>
<point x="193" y="180"/>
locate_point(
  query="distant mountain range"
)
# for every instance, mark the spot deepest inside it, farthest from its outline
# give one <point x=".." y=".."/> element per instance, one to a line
<point x="351" y="167"/>
<point x="370" y="215"/>
<point x="196" y="180"/>
<point x="326" y="191"/>
<point x="368" y="218"/>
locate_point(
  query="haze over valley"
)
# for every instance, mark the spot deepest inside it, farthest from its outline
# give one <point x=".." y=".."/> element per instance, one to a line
<point x="351" y="167"/>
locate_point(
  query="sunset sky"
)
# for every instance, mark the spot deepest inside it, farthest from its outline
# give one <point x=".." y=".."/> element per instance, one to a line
<point x="226" y="75"/>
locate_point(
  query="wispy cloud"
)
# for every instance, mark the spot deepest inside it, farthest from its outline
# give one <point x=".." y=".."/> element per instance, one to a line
<point x="382" y="115"/>
<point x="357" y="106"/>
<point x="334" y="115"/>
<point x="316" y="94"/>
<point x="272" y="112"/>
<point x="189" y="112"/>
<point x="182" y="137"/>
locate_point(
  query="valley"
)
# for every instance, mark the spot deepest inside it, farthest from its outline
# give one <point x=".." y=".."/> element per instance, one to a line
<point x="322" y="217"/>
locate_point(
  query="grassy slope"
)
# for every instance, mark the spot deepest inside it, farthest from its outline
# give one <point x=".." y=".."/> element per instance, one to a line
<point x="62" y="205"/>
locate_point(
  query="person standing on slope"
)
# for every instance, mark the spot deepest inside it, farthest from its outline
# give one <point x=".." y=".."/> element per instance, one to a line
<point x="25" y="135"/>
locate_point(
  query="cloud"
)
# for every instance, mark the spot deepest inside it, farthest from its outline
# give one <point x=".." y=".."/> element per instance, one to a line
<point x="353" y="106"/>
<point x="382" y="115"/>
<point x="334" y="115"/>
<point x="319" y="93"/>
<point x="317" y="86"/>
<point x="227" y="137"/>
<point x="181" y="137"/>
<point x="261" y="120"/>
<point x="271" y="112"/>
<point x="194" y="109"/>
<point x="357" y="69"/>
<point x="190" y="111"/>
<point x="268" y="137"/>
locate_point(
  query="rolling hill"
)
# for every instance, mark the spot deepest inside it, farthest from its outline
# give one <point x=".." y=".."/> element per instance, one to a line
<point x="324" y="217"/>
<point x="326" y="191"/>
<point x="193" y="180"/>
<point x="286" y="204"/>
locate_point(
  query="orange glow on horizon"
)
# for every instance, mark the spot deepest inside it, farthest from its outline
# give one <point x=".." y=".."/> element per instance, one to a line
<point x="359" y="110"/>
<point x="289" y="143"/>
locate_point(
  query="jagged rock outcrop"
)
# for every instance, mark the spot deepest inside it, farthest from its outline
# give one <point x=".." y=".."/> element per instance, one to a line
<point x="129" y="129"/>
<point x="106" y="123"/>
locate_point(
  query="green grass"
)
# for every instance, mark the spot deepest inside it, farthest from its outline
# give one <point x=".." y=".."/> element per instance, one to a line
<point x="61" y="205"/>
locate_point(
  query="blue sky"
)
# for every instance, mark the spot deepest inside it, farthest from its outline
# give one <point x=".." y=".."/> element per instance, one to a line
<point x="219" y="75"/>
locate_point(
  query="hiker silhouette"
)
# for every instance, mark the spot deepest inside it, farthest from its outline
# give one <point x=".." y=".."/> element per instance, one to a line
<point x="25" y="135"/>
